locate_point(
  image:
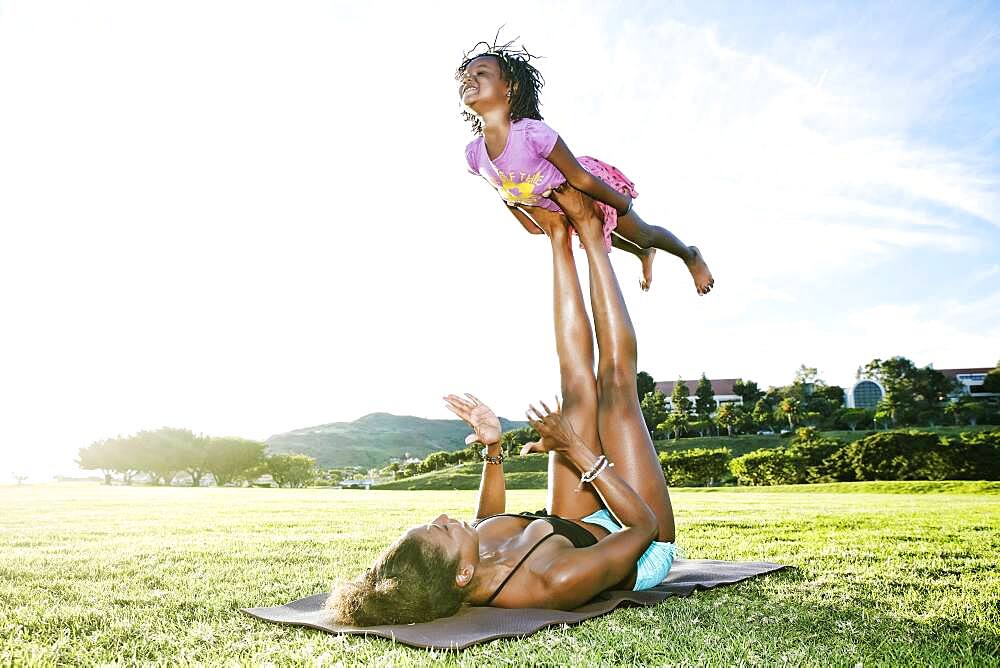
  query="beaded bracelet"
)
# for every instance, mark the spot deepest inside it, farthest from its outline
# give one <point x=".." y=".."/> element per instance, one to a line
<point x="491" y="459"/>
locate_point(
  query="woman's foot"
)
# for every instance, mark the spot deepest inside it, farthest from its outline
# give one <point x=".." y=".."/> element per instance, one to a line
<point x="703" y="280"/>
<point x="646" y="256"/>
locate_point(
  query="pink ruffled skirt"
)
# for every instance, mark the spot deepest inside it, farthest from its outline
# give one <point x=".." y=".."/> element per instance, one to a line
<point x="614" y="178"/>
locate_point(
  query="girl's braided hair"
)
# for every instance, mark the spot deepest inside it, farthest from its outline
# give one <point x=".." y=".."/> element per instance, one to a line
<point x="525" y="81"/>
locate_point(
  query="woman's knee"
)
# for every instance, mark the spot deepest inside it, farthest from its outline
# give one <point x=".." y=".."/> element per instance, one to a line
<point x="617" y="380"/>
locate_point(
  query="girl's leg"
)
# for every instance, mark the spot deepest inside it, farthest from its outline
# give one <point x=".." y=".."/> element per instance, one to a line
<point x="620" y="424"/>
<point x="575" y="348"/>
<point x="644" y="235"/>
<point x="645" y="255"/>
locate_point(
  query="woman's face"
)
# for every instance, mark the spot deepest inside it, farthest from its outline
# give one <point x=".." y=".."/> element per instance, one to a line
<point x="455" y="538"/>
<point x="482" y="85"/>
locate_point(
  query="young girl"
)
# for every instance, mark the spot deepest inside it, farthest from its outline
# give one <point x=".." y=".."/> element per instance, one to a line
<point x="525" y="159"/>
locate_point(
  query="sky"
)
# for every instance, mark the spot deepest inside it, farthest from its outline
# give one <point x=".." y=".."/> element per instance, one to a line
<point x="247" y="217"/>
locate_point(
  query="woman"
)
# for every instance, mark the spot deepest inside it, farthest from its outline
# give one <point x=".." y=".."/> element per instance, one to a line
<point x="601" y="459"/>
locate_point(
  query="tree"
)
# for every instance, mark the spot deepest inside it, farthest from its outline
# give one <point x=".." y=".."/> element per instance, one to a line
<point x="292" y="470"/>
<point x="97" y="455"/>
<point x="679" y="417"/>
<point x="679" y="397"/>
<point x="852" y="417"/>
<point x="677" y="423"/>
<point x="806" y="375"/>
<point x="19" y="478"/>
<point x="790" y="409"/>
<point x="434" y="461"/>
<point x="992" y="381"/>
<point x="512" y="441"/>
<point x="704" y="402"/>
<point x="654" y="410"/>
<point x="194" y="459"/>
<point x="231" y="459"/>
<point x="967" y="410"/>
<point x="644" y="383"/>
<point x="747" y="391"/>
<point x="763" y="414"/>
<point x="727" y="417"/>
<point x="161" y="453"/>
<point x="911" y="392"/>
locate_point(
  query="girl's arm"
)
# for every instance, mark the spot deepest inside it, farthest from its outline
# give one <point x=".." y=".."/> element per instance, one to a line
<point x="486" y="428"/>
<point x="578" y="177"/>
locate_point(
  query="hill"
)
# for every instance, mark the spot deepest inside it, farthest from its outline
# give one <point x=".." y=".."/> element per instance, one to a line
<point x="373" y="439"/>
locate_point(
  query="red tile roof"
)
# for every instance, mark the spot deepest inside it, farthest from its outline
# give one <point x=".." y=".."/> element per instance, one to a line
<point x="719" y="386"/>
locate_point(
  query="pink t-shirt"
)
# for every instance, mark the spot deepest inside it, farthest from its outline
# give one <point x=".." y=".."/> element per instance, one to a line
<point x="521" y="172"/>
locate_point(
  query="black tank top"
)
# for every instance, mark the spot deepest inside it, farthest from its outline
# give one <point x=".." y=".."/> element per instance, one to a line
<point x="576" y="534"/>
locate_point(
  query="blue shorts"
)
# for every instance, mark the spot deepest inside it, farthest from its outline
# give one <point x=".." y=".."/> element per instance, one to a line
<point x="655" y="562"/>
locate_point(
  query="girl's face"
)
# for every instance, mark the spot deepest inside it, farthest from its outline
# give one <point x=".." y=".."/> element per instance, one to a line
<point x="482" y="87"/>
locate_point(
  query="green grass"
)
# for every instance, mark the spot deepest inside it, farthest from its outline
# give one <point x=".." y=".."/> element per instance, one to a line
<point x="92" y="574"/>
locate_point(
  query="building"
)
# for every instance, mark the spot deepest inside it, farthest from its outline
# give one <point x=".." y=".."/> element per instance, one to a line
<point x="970" y="380"/>
<point x="865" y="393"/>
<point x="722" y="390"/>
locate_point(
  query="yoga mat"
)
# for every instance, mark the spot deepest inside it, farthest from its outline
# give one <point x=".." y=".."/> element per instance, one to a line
<point x="474" y="625"/>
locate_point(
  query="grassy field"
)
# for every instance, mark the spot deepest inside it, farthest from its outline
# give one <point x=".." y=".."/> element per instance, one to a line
<point x="92" y="574"/>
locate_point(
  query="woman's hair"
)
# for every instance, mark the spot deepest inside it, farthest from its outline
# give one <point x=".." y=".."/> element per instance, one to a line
<point x="525" y="81"/>
<point x="411" y="582"/>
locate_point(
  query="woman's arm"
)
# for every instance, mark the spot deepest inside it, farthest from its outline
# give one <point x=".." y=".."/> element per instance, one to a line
<point x="526" y="222"/>
<point x="486" y="428"/>
<point x="573" y="577"/>
<point x="578" y="177"/>
<point x="492" y="486"/>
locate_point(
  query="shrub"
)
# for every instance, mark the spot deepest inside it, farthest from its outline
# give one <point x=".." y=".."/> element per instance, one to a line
<point x="773" y="466"/>
<point x="888" y="455"/>
<point x="974" y="456"/>
<point x="699" y="466"/>
<point x="808" y="450"/>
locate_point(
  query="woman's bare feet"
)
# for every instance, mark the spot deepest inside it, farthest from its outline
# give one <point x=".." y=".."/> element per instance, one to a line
<point x="703" y="280"/>
<point x="646" y="256"/>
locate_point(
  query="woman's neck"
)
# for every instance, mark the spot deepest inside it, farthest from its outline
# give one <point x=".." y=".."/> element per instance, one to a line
<point x="490" y="573"/>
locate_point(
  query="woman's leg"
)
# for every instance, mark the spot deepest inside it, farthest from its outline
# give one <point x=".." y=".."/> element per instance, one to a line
<point x="575" y="348"/>
<point x="642" y="234"/>
<point x="620" y="424"/>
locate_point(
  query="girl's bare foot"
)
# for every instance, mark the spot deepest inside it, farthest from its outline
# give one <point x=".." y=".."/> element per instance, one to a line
<point x="646" y="256"/>
<point x="703" y="280"/>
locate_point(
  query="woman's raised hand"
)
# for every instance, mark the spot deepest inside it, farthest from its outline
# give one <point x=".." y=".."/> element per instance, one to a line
<point x="477" y="415"/>
<point x="556" y="431"/>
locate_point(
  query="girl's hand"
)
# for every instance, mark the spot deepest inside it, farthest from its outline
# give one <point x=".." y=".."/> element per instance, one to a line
<point x="556" y="431"/>
<point x="477" y="415"/>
